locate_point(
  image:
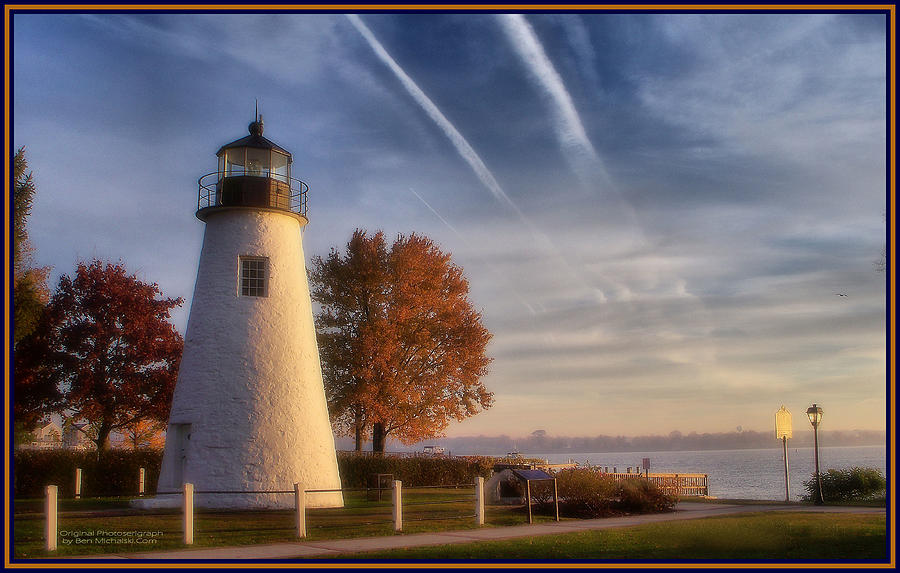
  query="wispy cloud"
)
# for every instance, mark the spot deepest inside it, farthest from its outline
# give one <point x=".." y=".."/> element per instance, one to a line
<point x="570" y="130"/>
<point x="462" y="238"/>
<point x="459" y="142"/>
<point x="462" y="146"/>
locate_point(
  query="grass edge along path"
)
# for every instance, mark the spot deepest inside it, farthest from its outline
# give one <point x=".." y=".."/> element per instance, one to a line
<point x="751" y="536"/>
<point x="91" y="527"/>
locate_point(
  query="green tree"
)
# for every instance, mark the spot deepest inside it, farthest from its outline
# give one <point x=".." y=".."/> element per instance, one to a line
<point x="403" y="350"/>
<point x="30" y="291"/>
<point x="104" y="353"/>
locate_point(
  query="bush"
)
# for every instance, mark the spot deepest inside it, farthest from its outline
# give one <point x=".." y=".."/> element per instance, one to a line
<point x="587" y="493"/>
<point x="355" y="469"/>
<point x="853" y="484"/>
<point x="116" y="473"/>
<point x="641" y="496"/>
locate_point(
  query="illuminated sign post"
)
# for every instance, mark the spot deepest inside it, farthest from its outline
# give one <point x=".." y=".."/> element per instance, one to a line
<point x="783" y="432"/>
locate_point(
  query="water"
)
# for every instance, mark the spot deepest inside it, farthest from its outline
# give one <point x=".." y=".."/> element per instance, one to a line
<point x="739" y="474"/>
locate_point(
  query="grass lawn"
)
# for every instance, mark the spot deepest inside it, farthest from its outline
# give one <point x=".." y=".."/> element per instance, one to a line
<point x="755" y="536"/>
<point x="93" y="526"/>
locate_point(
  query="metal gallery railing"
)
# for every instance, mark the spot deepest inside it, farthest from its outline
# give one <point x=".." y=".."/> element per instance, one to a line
<point x="252" y="190"/>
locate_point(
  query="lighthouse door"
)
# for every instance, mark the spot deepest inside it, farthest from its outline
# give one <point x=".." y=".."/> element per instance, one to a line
<point x="182" y="436"/>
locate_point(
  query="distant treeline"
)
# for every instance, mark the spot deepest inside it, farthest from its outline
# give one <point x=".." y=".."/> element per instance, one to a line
<point x="675" y="441"/>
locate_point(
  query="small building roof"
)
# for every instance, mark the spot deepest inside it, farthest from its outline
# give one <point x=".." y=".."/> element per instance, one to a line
<point x="532" y="474"/>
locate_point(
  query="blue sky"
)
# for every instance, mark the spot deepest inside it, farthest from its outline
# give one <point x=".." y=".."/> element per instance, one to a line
<point x="655" y="211"/>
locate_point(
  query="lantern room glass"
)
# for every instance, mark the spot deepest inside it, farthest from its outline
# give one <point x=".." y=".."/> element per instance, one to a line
<point x="234" y="161"/>
<point x="255" y="162"/>
<point x="258" y="162"/>
<point x="281" y="168"/>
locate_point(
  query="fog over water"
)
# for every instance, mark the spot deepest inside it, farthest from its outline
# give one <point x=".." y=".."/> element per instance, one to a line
<point x="740" y="474"/>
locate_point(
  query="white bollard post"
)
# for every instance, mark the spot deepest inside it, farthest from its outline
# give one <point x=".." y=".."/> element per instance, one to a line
<point x="77" y="483"/>
<point x="188" y="514"/>
<point x="50" y="529"/>
<point x="141" y="474"/>
<point x="397" y="498"/>
<point x="479" y="500"/>
<point x="300" y="508"/>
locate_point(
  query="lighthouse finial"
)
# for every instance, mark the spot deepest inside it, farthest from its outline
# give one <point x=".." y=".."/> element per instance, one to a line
<point x="256" y="127"/>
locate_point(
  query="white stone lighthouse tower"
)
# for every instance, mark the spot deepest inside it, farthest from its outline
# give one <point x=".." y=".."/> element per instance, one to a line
<point x="249" y="411"/>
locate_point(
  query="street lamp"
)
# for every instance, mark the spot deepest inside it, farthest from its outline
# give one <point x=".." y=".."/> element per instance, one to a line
<point x="814" y="413"/>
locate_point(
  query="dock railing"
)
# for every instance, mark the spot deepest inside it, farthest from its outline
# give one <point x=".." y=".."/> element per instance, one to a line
<point x="678" y="484"/>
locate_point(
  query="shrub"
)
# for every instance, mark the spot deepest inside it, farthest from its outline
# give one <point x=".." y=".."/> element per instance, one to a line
<point x="641" y="496"/>
<point x="853" y="484"/>
<point x="585" y="493"/>
<point x="355" y="469"/>
<point x="588" y="493"/>
<point x="116" y="473"/>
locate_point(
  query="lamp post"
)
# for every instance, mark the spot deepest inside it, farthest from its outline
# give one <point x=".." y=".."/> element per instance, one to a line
<point x="814" y="413"/>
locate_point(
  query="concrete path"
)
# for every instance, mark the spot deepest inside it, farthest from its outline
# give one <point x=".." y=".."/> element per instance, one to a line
<point x="324" y="548"/>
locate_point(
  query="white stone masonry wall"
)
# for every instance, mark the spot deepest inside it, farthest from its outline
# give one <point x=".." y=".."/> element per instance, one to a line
<point x="250" y="382"/>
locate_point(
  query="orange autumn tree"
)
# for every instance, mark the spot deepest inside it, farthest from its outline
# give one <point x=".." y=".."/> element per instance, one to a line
<point x="144" y="433"/>
<point x="403" y="350"/>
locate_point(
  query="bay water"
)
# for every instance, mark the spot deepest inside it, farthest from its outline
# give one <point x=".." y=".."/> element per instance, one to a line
<point x="738" y="474"/>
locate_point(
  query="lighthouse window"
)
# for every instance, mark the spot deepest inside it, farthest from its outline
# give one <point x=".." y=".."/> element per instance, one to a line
<point x="254" y="271"/>
<point x="234" y="159"/>
<point x="280" y="167"/>
<point x="257" y="162"/>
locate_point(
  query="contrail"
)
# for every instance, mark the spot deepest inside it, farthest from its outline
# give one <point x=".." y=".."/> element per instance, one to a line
<point x="462" y="146"/>
<point x="459" y="142"/>
<point x="569" y="129"/>
<point x="438" y="215"/>
<point x="462" y="238"/>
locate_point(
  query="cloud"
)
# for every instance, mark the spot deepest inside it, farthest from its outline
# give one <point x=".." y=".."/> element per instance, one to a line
<point x="459" y="142"/>
<point x="570" y="131"/>
<point x="781" y="87"/>
<point x="543" y="241"/>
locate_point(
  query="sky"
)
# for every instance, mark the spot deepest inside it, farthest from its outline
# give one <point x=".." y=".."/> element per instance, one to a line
<point x="659" y="215"/>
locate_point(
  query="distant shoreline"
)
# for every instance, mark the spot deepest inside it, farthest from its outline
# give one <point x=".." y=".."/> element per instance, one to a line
<point x="674" y="442"/>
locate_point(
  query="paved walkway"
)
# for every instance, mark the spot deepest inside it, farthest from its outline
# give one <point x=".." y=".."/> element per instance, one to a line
<point x="325" y="548"/>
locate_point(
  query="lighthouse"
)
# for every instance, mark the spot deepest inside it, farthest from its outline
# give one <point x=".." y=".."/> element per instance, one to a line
<point x="249" y="412"/>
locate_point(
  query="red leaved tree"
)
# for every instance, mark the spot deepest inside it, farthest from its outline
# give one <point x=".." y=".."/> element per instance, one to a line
<point x="402" y="348"/>
<point x="103" y="352"/>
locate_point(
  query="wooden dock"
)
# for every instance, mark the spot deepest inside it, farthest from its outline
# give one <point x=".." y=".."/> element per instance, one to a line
<point x="673" y="484"/>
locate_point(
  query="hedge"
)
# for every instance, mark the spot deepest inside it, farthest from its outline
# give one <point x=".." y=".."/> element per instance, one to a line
<point x="356" y="469"/>
<point x="117" y="472"/>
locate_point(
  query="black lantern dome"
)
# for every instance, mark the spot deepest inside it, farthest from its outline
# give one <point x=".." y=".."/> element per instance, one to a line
<point x="254" y="173"/>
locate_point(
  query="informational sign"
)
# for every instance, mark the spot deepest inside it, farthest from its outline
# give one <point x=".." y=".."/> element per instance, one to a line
<point x="783" y="424"/>
<point x="646" y="463"/>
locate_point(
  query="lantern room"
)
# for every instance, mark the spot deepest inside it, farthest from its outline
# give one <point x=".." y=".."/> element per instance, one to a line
<point x="253" y="172"/>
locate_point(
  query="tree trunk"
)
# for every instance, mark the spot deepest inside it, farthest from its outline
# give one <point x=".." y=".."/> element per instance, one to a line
<point x="378" y="438"/>
<point x="102" y="440"/>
